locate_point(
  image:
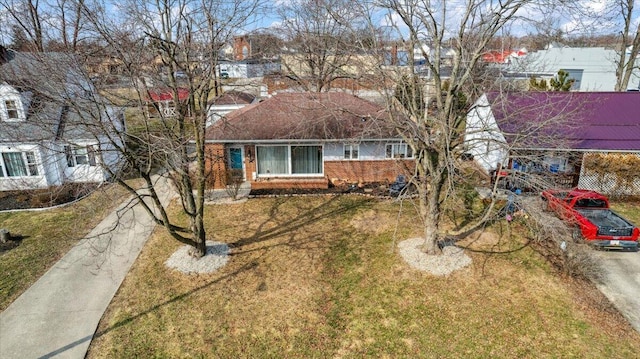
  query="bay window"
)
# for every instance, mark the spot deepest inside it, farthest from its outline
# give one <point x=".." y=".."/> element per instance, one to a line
<point x="289" y="160"/>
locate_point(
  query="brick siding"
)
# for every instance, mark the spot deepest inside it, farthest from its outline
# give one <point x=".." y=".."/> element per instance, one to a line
<point x="335" y="172"/>
<point x="340" y="172"/>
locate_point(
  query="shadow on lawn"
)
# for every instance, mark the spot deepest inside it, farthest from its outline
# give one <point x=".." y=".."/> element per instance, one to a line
<point x="335" y="207"/>
<point x="152" y="309"/>
<point x="174" y="299"/>
<point x="332" y="208"/>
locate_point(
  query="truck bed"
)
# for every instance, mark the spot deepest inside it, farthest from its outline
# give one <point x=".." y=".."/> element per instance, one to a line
<point x="609" y="223"/>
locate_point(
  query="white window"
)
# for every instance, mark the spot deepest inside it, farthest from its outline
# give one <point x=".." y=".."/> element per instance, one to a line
<point x="11" y="107"/>
<point x="399" y="150"/>
<point x="18" y="164"/>
<point x="289" y="160"/>
<point x="77" y="156"/>
<point x="351" y="152"/>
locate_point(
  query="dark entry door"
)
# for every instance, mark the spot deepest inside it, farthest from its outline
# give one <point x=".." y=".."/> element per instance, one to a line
<point x="235" y="161"/>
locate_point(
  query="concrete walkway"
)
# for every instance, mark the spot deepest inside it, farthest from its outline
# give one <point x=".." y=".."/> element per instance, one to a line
<point x="58" y="315"/>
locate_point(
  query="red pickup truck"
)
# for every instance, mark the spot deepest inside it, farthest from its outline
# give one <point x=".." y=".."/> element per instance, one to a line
<point x="589" y="211"/>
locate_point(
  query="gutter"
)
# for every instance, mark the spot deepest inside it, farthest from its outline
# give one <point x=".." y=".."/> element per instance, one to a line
<point x="306" y="140"/>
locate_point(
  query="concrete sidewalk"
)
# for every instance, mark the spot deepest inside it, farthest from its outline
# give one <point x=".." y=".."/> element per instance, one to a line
<point x="58" y="315"/>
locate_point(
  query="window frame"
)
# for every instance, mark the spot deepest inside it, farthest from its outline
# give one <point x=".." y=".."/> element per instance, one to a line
<point x="72" y="153"/>
<point x="289" y="153"/>
<point x="349" y="148"/>
<point x="28" y="164"/>
<point x="11" y="109"/>
<point x="407" y="153"/>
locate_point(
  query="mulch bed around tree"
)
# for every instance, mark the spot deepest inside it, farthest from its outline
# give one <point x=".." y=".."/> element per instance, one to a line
<point x="47" y="197"/>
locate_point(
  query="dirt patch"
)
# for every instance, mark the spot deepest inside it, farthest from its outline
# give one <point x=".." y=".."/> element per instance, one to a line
<point x="47" y="197"/>
<point x="451" y="259"/>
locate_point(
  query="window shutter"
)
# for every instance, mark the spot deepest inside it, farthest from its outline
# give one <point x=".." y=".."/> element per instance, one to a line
<point x="69" y="154"/>
<point x="92" y="155"/>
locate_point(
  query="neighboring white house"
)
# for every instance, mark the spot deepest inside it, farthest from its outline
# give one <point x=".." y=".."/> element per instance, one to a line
<point x="593" y="68"/>
<point x="247" y="68"/>
<point x="553" y="135"/>
<point x="226" y="103"/>
<point x="51" y="133"/>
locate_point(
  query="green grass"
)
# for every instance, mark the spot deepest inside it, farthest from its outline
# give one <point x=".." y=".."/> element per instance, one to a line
<point x="318" y="277"/>
<point x="628" y="210"/>
<point x="47" y="236"/>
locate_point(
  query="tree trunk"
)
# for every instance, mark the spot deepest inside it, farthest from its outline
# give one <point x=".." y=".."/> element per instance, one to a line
<point x="199" y="237"/>
<point x="431" y="215"/>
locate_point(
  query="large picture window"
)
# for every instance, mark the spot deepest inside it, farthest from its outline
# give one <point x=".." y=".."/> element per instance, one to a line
<point x="289" y="160"/>
<point x="273" y="160"/>
<point x="306" y="159"/>
<point x="18" y="164"/>
<point x="399" y="150"/>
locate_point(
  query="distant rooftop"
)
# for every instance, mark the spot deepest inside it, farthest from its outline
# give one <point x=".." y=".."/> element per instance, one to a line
<point x="608" y="121"/>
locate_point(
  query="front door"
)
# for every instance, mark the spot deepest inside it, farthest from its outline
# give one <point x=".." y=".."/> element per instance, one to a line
<point x="235" y="161"/>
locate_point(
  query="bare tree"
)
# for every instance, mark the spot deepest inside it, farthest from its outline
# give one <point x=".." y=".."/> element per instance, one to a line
<point x="450" y="37"/>
<point x="44" y="25"/>
<point x="319" y="37"/>
<point x="626" y="62"/>
<point x="619" y="16"/>
<point x="30" y="17"/>
<point x="169" y="51"/>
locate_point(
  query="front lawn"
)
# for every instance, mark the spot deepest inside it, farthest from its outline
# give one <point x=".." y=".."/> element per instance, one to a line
<point x="319" y="277"/>
<point x="47" y="236"/>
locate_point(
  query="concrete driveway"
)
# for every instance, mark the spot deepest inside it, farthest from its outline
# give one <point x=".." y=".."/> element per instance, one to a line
<point x="621" y="270"/>
<point x="621" y="282"/>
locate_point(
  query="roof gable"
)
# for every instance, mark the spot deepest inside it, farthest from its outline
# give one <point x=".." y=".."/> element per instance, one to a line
<point x="53" y="95"/>
<point x="304" y="116"/>
<point x="608" y="121"/>
<point x="233" y="98"/>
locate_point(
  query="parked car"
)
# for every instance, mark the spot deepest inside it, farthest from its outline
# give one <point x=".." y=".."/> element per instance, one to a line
<point x="594" y="221"/>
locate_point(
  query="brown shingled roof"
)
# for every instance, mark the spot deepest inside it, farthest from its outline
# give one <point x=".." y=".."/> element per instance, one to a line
<point x="233" y="98"/>
<point x="304" y="116"/>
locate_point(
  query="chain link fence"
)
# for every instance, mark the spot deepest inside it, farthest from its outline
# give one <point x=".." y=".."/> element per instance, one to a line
<point x="614" y="174"/>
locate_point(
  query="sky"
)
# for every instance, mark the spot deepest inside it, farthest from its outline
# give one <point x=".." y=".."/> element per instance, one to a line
<point x="559" y="18"/>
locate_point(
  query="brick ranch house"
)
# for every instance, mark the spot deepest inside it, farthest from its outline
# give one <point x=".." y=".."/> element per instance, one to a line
<point x="306" y="140"/>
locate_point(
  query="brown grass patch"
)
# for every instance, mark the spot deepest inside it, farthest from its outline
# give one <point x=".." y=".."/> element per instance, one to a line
<point x="304" y="281"/>
<point x="47" y="236"/>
